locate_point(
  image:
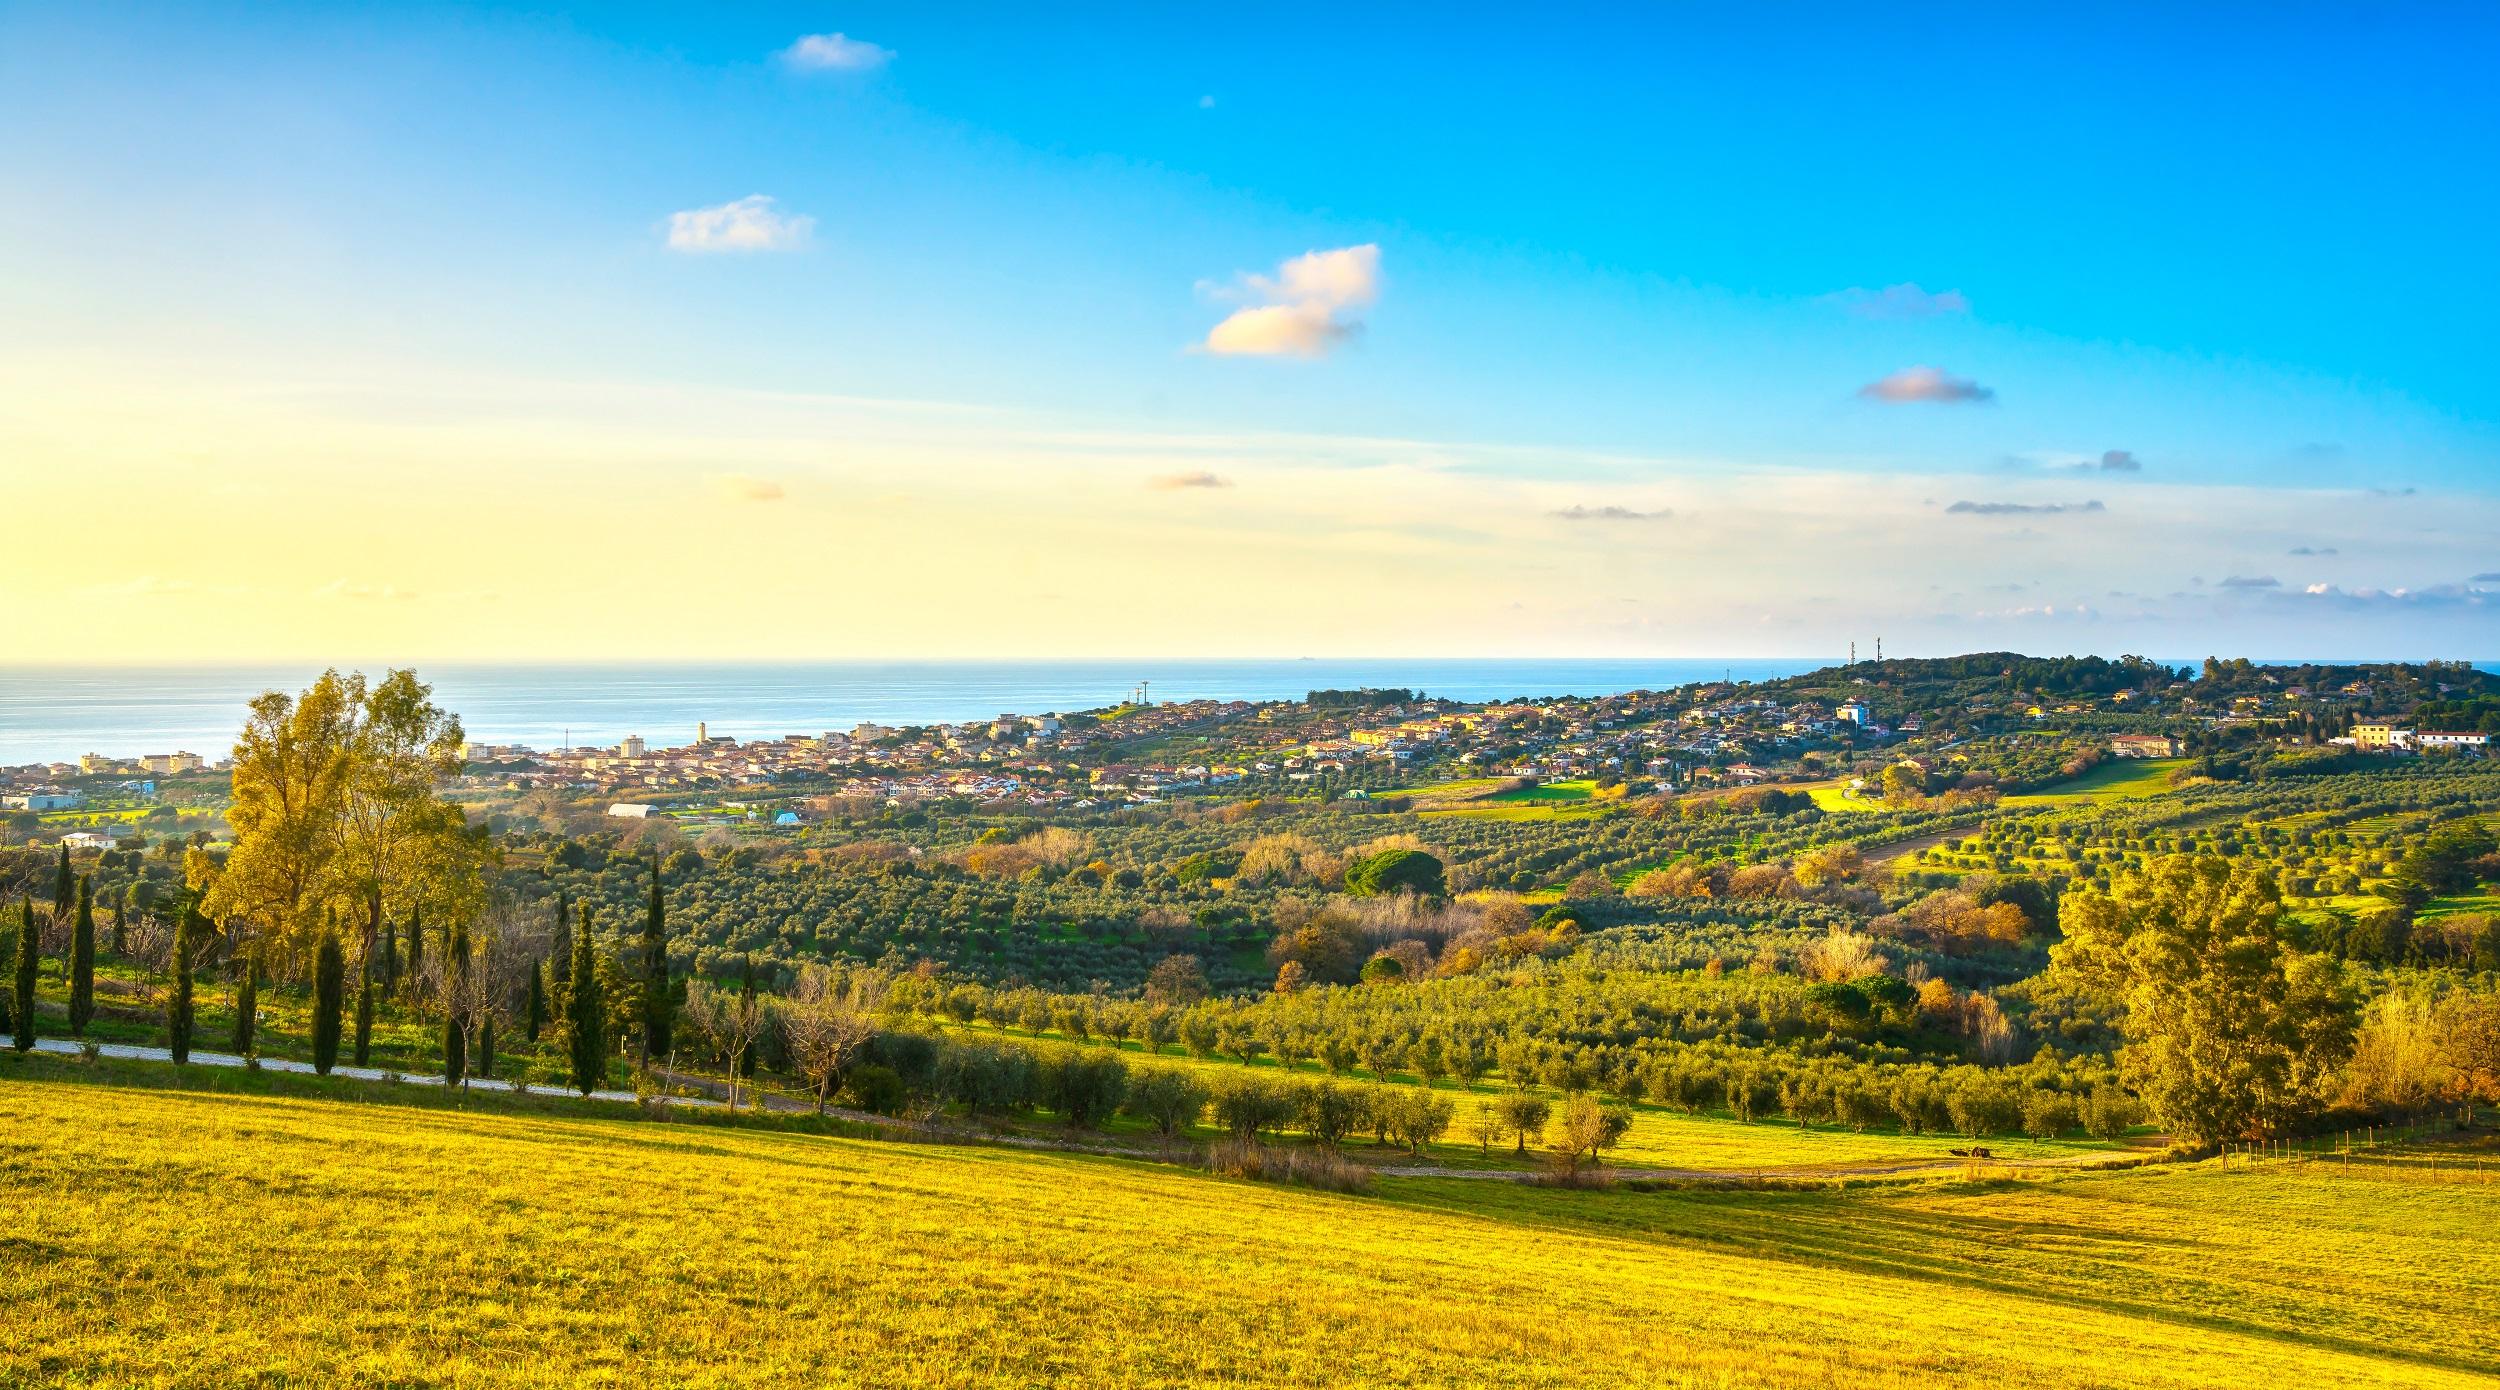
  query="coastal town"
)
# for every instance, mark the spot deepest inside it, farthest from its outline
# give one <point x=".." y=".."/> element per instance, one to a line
<point x="1844" y="727"/>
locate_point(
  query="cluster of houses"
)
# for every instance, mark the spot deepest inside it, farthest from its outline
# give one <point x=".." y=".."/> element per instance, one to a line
<point x="1088" y="761"/>
<point x="2376" y="736"/>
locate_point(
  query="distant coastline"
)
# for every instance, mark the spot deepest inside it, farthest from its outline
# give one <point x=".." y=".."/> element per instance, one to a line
<point x="56" y="713"/>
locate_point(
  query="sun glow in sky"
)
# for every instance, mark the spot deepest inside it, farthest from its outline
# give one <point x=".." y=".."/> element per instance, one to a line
<point x="423" y="332"/>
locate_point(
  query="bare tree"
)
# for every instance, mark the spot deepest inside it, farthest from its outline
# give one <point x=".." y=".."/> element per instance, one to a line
<point x="831" y="1022"/>
<point x="478" y="994"/>
<point x="731" y="1021"/>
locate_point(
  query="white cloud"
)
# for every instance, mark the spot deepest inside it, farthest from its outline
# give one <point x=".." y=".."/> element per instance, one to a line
<point x="2021" y="508"/>
<point x="1183" y="482"/>
<point x="749" y="224"/>
<point x="1926" y="384"/>
<point x="1577" y="512"/>
<point x="2428" y="596"/>
<point x="836" y="53"/>
<point x="1305" y="309"/>
<point x="1903" y="301"/>
<point x="1279" y="330"/>
<point x="739" y="487"/>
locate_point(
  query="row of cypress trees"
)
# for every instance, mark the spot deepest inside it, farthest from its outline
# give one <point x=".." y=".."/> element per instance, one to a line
<point x="69" y="893"/>
<point x="576" y="986"/>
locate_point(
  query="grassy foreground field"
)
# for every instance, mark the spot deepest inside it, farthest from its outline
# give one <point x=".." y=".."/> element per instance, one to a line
<point x="167" y="1238"/>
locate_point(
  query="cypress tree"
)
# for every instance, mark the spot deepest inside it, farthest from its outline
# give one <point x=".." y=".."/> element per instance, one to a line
<point x="658" y="1006"/>
<point x="64" y="887"/>
<point x="22" y="1012"/>
<point x="8" y="997"/>
<point x="585" y="1014"/>
<point x="247" y="1004"/>
<point x="122" y="908"/>
<point x="560" y="956"/>
<point x="178" y="1001"/>
<point x="486" y="1043"/>
<point x="456" y="1013"/>
<point x="364" y="1015"/>
<point x="534" y="1014"/>
<point x="82" y="960"/>
<point x="329" y="1000"/>
<point x="416" y="944"/>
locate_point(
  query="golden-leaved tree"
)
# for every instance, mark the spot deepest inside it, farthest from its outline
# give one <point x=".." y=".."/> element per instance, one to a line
<point x="336" y="811"/>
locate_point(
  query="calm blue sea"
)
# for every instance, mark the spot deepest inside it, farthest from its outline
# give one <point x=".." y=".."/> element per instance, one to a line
<point x="50" y="714"/>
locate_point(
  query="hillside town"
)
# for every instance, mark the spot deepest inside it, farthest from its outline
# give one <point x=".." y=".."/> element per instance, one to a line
<point x="1845" y="723"/>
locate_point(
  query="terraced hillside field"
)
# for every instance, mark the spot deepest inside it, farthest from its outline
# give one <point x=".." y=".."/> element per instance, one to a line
<point x="155" y="1237"/>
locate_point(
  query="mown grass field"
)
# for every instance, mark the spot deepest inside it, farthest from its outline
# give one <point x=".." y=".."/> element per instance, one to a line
<point x="2461" y="902"/>
<point x="1489" y="798"/>
<point x="2117" y="779"/>
<point x="155" y="1237"/>
<point x="1578" y="789"/>
<point x="1840" y="798"/>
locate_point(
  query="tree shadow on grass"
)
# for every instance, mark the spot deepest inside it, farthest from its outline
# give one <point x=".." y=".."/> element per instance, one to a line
<point x="1863" y="1233"/>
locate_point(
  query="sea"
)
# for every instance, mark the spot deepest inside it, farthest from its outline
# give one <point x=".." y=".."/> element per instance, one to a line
<point x="55" y="713"/>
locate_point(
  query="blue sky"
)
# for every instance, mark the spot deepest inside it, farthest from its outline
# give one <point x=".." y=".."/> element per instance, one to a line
<point x="1617" y="269"/>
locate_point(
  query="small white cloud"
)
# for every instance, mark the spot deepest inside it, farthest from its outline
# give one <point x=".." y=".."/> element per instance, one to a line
<point x="836" y="53"/>
<point x="2121" y="461"/>
<point x="2021" y="508"/>
<point x="1305" y="309"/>
<point x="1903" y="301"/>
<point x="2430" y="596"/>
<point x="751" y="223"/>
<point x="1278" y="330"/>
<point x="1183" y="482"/>
<point x="1926" y="384"/>
<point x="1609" y="513"/>
<point x="738" y="487"/>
